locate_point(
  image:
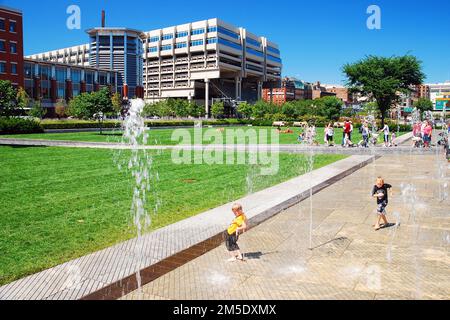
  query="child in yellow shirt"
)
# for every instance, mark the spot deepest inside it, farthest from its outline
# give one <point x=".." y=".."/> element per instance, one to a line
<point x="239" y="225"/>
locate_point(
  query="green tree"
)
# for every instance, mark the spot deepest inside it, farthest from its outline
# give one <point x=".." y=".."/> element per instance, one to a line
<point x="8" y="96"/>
<point x="195" y="110"/>
<point x="423" y="104"/>
<point x="384" y="78"/>
<point x="37" y="111"/>
<point x="289" y="110"/>
<point x="86" y="105"/>
<point x="217" y="109"/>
<point x="245" y="109"/>
<point x="329" y="107"/>
<point x="264" y="110"/>
<point x="180" y="108"/>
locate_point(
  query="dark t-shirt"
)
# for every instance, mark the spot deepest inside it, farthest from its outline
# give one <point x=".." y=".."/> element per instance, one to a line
<point x="384" y="190"/>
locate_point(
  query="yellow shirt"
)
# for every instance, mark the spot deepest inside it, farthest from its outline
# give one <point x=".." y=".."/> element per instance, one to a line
<point x="237" y="222"/>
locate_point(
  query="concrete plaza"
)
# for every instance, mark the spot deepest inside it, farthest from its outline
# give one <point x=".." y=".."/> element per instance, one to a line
<point x="348" y="260"/>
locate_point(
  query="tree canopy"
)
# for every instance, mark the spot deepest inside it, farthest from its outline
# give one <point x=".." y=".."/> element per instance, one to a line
<point x="86" y="105"/>
<point x="384" y="78"/>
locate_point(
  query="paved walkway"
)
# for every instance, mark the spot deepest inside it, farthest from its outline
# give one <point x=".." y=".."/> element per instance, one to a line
<point x="349" y="260"/>
<point x="403" y="148"/>
<point x="107" y="268"/>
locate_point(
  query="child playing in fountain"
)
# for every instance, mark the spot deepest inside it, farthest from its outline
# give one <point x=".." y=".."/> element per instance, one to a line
<point x="380" y="191"/>
<point x="237" y="226"/>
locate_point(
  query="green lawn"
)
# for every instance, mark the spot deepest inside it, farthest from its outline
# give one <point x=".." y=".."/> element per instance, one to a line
<point x="62" y="203"/>
<point x="163" y="136"/>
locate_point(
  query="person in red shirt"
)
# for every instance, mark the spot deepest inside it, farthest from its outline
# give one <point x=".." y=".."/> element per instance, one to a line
<point x="347" y="129"/>
<point x="427" y="132"/>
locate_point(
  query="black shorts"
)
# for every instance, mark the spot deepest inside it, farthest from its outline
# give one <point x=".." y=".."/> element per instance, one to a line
<point x="329" y="138"/>
<point x="231" y="241"/>
<point x="381" y="209"/>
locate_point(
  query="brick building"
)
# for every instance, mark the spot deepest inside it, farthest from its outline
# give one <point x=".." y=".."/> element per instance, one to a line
<point x="11" y="46"/>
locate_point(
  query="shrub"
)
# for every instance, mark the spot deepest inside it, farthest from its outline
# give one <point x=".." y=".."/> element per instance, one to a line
<point x="19" y="125"/>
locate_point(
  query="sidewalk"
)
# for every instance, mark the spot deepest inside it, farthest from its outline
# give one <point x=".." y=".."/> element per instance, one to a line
<point x="349" y="260"/>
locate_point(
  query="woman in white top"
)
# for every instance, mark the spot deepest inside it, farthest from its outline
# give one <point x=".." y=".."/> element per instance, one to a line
<point x="386" y="135"/>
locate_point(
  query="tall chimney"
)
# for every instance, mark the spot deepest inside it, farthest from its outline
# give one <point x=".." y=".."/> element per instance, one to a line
<point x="103" y="18"/>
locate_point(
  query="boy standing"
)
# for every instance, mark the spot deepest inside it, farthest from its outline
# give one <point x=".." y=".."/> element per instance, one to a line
<point x="237" y="226"/>
<point x="380" y="191"/>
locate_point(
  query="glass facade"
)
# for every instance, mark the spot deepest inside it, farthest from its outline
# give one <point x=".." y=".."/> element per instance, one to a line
<point x="253" y="42"/>
<point x="180" y="45"/>
<point x="230" y="44"/>
<point x="153" y="39"/>
<point x="166" y="47"/>
<point x="272" y="49"/>
<point x="61" y="76"/>
<point x="255" y="52"/>
<point x="195" y="43"/>
<point x="212" y="40"/>
<point x="212" y="29"/>
<point x="229" y="33"/>
<point x="197" y="31"/>
<point x="167" y="36"/>
<point x="182" y="34"/>
<point x="153" y="49"/>
<point x="270" y="57"/>
<point x="28" y="70"/>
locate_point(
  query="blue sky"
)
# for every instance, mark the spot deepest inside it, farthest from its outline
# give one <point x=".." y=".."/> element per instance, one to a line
<point x="315" y="37"/>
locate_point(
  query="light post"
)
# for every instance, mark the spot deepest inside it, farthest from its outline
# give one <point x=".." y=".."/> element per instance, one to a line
<point x="100" y="116"/>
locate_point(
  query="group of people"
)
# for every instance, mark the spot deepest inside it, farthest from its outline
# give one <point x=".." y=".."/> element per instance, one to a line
<point x="422" y="134"/>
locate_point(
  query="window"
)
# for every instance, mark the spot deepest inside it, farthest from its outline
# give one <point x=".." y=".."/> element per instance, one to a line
<point x="253" y="42"/>
<point x="212" y="29"/>
<point x="153" y="39"/>
<point x="28" y="71"/>
<point x="196" y="43"/>
<point x="212" y="40"/>
<point x="12" y="26"/>
<point x="2" y="67"/>
<point x="182" y="34"/>
<point x="255" y="52"/>
<point x="2" y="45"/>
<point x="270" y="57"/>
<point x="45" y="73"/>
<point x="166" y="47"/>
<point x="60" y="74"/>
<point x="76" y="76"/>
<point x="228" y="33"/>
<point x="153" y="49"/>
<point x="197" y="31"/>
<point x="272" y="49"/>
<point x="2" y="24"/>
<point x="167" y="36"/>
<point x="13" y="68"/>
<point x="13" y="47"/>
<point x="181" y="45"/>
<point x="230" y="44"/>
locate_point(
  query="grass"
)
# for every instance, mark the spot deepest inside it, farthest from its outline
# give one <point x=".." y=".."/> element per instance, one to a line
<point x="62" y="203"/>
<point x="163" y="136"/>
